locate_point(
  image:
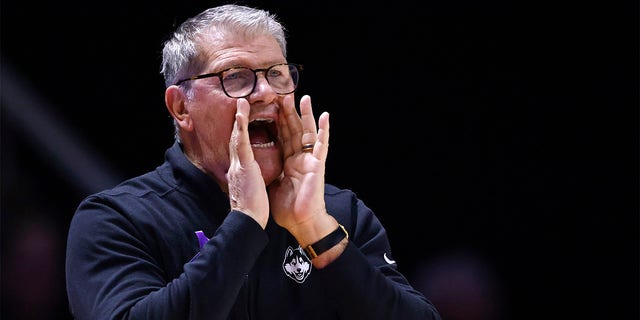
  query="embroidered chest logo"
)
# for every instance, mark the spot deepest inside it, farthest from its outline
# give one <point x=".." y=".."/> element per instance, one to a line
<point x="296" y="264"/>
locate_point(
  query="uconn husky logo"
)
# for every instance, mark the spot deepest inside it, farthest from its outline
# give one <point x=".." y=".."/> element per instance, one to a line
<point x="296" y="265"/>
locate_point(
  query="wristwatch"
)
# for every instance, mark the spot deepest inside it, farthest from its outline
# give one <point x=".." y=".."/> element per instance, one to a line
<point x="326" y="243"/>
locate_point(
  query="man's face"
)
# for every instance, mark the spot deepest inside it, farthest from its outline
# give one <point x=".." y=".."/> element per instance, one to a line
<point x="212" y="112"/>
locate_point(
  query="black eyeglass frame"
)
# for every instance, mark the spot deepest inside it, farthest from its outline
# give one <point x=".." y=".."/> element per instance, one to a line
<point x="218" y="74"/>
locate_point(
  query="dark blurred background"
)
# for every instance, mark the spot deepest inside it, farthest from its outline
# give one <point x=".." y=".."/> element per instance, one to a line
<point x="496" y="140"/>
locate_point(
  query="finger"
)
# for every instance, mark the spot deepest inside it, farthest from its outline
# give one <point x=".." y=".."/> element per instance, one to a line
<point x="309" y="130"/>
<point x="287" y="132"/>
<point x="321" y="148"/>
<point x="240" y="145"/>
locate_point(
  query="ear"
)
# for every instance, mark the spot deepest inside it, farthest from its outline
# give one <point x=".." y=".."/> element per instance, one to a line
<point x="175" y="99"/>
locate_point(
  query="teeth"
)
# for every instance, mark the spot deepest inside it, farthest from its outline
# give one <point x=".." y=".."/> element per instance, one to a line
<point x="263" y="145"/>
<point x="265" y="120"/>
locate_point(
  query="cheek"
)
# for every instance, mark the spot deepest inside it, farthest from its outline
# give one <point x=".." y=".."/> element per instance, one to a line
<point x="213" y="117"/>
<point x="214" y="113"/>
<point x="216" y="125"/>
<point x="214" y="133"/>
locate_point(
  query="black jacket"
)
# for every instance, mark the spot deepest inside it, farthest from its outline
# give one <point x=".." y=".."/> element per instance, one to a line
<point x="133" y="253"/>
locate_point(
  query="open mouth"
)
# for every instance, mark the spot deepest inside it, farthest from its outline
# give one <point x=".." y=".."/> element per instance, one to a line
<point x="263" y="133"/>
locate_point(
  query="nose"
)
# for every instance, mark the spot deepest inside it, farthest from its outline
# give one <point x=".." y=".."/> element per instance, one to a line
<point x="262" y="85"/>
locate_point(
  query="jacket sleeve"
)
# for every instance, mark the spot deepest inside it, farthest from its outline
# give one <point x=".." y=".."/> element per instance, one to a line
<point x="111" y="274"/>
<point x="364" y="281"/>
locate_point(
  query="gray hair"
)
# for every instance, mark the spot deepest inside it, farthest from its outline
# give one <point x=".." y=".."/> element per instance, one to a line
<point x="180" y="54"/>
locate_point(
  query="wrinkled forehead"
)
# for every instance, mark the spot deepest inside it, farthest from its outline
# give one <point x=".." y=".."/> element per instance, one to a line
<point x="224" y="36"/>
<point x="218" y="42"/>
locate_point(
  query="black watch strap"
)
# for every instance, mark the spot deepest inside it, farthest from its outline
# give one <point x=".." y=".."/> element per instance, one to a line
<point x="326" y="243"/>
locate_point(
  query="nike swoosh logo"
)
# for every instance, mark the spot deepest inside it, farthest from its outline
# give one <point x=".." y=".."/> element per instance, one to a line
<point x="389" y="261"/>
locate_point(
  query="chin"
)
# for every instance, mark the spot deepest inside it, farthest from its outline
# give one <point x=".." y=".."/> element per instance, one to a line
<point x="269" y="178"/>
<point x="270" y="170"/>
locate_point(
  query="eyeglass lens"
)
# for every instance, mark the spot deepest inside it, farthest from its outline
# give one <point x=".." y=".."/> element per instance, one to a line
<point x="240" y="82"/>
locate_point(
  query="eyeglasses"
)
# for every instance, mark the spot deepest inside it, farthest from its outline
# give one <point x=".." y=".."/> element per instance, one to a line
<point x="239" y="82"/>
